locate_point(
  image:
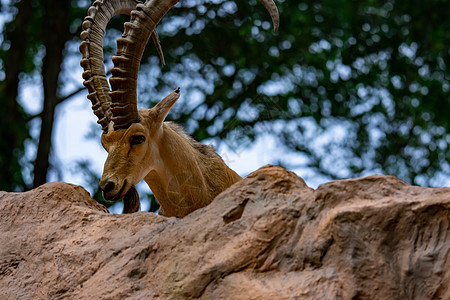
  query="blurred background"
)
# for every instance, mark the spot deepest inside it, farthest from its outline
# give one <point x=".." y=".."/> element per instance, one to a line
<point x="344" y="89"/>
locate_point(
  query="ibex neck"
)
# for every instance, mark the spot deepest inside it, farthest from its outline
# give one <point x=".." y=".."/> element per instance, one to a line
<point x="177" y="181"/>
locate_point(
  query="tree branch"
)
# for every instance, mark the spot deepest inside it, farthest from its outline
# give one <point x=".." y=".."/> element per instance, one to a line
<point x="59" y="101"/>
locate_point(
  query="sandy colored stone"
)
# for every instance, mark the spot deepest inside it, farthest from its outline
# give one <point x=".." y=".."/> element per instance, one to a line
<point x="266" y="237"/>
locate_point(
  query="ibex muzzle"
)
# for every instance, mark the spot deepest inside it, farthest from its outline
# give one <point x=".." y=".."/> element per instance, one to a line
<point x="183" y="174"/>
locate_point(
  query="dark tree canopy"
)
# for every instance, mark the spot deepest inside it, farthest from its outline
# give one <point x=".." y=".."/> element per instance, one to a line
<point x="357" y="87"/>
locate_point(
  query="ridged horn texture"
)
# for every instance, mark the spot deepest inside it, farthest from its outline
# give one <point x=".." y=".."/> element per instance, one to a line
<point x="273" y="11"/>
<point x="120" y="104"/>
<point x="130" y="48"/>
<point x="91" y="48"/>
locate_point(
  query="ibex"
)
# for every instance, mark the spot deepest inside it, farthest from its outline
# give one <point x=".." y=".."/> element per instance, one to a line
<point x="183" y="174"/>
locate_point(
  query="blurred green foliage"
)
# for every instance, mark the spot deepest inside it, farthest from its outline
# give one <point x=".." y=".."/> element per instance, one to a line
<point x="360" y="87"/>
<point x="357" y="87"/>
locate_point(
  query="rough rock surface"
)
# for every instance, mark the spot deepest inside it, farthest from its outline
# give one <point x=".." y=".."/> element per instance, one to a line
<point x="266" y="237"/>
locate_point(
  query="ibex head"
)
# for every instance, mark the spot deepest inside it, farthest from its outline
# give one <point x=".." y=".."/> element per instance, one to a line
<point x="132" y="138"/>
<point x="134" y="151"/>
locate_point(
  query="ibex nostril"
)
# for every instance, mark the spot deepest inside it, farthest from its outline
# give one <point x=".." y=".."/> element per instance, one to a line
<point x="109" y="187"/>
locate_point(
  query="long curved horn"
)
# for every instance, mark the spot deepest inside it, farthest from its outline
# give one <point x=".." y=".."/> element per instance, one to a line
<point x="130" y="48"/>
<point x="273" y="11"/>
<point x="91" y="47"/>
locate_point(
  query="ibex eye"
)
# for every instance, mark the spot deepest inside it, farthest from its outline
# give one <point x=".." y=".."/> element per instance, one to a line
<point x="137" y="139"/>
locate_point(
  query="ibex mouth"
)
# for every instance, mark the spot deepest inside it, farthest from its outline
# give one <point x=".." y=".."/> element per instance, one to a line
<point x="120" y="194"/>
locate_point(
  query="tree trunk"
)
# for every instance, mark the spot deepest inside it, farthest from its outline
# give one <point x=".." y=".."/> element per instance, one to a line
<point x="13" y="126"/>
<point x="56" y="33"/>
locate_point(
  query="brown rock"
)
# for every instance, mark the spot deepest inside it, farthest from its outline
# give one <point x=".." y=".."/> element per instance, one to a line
<point x="266" y="237"/>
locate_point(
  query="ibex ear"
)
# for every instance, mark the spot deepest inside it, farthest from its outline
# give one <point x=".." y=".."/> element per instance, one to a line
<point x="164" y="106"/>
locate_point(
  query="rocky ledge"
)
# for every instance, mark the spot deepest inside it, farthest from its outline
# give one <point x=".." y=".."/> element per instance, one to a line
<point x="269" y="236"/>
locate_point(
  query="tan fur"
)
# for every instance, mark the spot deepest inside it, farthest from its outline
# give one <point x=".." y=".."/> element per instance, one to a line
<point x="183" y="174"/>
